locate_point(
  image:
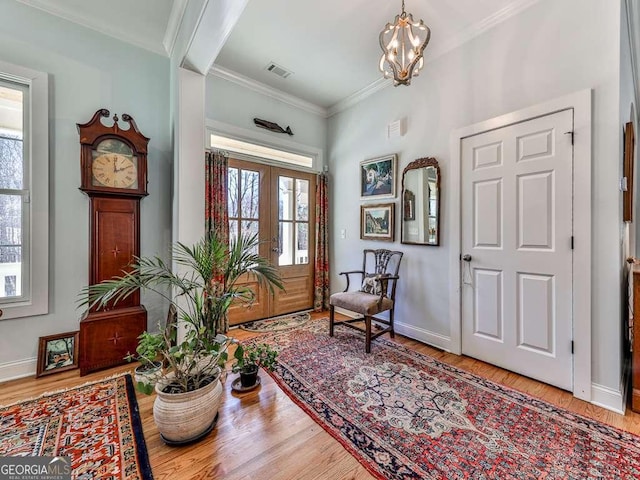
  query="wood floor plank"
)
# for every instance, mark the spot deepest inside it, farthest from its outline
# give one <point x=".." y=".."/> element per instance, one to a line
<point x="264" y="434"/>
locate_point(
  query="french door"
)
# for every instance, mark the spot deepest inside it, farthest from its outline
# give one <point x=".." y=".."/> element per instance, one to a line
<point x="279" y="205"/>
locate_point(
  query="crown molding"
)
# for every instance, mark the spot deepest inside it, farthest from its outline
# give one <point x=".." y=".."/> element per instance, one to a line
<point x="51" y="7"/>
<point x="173" y="25"/>
<point x="463" y="37"/>
<point x="512" y="9"/>
<point x="251" y="84"/>
<point x="360" y="95"/>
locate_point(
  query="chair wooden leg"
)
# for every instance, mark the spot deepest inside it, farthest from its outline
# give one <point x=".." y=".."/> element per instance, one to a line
<point x="392" y="333"/>
<point x="331" y="319"/>
<point x="367" y="323"/>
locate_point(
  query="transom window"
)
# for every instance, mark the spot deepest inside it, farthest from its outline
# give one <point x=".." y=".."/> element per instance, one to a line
<point x="260" y="151"/>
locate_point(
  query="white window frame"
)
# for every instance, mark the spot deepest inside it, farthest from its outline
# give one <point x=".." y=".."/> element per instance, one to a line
<point x="35" y="300"/>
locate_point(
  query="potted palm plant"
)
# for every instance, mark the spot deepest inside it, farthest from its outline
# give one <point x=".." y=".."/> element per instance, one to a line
<point x="204" y="286"/>
<point x="248" y="359"/>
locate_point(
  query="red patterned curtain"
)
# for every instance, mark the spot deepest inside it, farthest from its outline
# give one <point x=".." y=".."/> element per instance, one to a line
<point x="216" y="212"/>
<point x="321" y="281"/>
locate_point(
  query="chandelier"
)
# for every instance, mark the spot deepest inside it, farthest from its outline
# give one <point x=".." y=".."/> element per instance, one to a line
<point x="403" y="42"/>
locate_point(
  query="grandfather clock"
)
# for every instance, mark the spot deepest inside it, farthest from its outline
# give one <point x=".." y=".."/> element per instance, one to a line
<point x="114" y="175"/>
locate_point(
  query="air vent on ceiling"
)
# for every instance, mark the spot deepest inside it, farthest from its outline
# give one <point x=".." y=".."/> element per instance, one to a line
<point x="278" y="70"/>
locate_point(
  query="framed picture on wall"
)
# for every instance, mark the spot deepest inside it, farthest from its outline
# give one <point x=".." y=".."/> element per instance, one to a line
<point x="378" y="177"/>
<point x="377" y="222"/>
<point x="629" y="155"/>
<point x="57" y="353"/>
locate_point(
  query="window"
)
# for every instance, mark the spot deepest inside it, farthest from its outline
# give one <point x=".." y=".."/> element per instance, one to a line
<point x="14" y="214"/>
<point x="10" y="286"/>
<point x="259" y="151"/>
<point x="24" y="179"/>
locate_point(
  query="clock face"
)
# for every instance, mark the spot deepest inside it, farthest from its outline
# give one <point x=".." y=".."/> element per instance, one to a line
<point x="114" y="165"/>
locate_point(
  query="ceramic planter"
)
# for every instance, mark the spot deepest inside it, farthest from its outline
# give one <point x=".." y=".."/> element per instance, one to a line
<point x="186" y="417"/>
<point x="148" y="374"/>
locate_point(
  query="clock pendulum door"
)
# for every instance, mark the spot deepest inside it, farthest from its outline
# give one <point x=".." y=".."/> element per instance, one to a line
<point x="113" y="163"/>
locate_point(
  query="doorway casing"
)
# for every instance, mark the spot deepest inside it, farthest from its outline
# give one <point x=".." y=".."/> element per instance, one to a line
<point x="581" y="103"/>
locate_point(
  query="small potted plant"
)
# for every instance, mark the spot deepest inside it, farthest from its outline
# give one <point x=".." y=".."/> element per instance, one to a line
<point x="150" y="369"/>
<point x="248" y="359"/>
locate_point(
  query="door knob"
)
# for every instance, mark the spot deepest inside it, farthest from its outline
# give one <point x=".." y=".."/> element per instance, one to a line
<point x="466" y="258"/>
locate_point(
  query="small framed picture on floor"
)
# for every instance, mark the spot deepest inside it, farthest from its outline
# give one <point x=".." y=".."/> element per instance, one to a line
<point x="57" y="353"/>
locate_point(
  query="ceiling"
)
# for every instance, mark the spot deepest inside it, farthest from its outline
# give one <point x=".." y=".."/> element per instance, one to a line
<point x="331" y="46"/>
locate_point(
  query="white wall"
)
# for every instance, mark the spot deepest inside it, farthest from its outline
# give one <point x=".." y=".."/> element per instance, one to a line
<point x="547" y="51"/>
<point x="87" y="71"/>
<point x="236" y="105"/>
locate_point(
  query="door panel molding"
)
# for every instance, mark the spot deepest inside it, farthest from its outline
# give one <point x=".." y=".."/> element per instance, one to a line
<point x="581" y="104"/>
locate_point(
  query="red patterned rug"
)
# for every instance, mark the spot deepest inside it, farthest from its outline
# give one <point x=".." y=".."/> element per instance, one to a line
<point x="405" y="415"/>
<point x="97" y="425"/>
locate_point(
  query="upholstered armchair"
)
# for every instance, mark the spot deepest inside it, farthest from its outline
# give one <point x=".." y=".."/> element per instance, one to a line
<point x="376" y="294"/>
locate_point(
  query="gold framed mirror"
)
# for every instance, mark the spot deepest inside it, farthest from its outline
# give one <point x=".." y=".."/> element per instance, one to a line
<point x="421" y="203"/>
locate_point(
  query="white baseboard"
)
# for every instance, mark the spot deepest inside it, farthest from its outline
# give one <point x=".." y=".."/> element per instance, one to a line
<point x="413" y="332"/>
<point x="425" y="336"/>
<point x="608" y="398"/>
<point x="18" y="369"/>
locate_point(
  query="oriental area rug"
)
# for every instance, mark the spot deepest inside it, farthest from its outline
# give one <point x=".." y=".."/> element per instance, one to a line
<point x="97" y="425"/>
<point x="276" y="324"/>
<point x="405" y="415"/>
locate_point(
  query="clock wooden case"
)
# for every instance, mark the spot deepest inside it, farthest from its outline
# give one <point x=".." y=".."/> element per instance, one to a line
<point x="113" y="165"/>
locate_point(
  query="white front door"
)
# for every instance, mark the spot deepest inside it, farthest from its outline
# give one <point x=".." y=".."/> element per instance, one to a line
<point x="516" y="264"/>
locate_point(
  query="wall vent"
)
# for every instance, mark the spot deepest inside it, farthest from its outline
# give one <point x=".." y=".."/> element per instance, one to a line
<point x="278" y="70"/>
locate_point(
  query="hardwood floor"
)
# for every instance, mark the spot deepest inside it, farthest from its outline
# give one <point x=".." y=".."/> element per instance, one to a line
<point x="263" y="435"/>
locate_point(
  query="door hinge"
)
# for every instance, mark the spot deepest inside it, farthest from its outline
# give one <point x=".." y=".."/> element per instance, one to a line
<point x="572" y="347"/>
<point x="572" y="133"/>
<point x="572" y="242"/>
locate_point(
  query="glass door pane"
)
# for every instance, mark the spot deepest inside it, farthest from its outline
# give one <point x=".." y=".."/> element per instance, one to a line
<point x="248" y="209"/>
<point x="244" y="202"/>
<point x="286" y="206"/>
<point x="302" y="222"/>
<point x="293" y="221"/>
